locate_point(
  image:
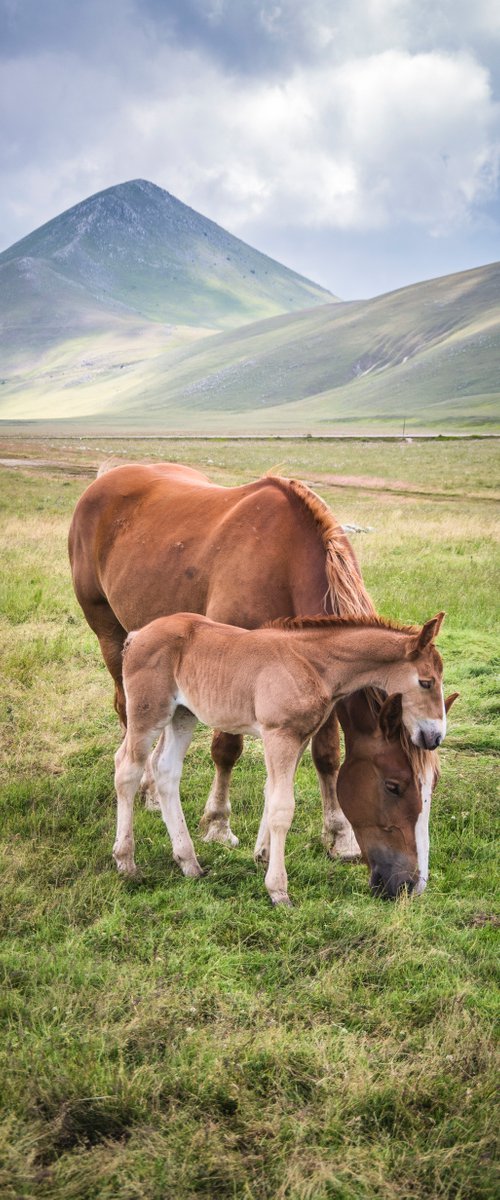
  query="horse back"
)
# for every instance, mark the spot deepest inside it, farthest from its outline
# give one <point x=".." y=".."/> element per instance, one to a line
<point x="152" y="540"/>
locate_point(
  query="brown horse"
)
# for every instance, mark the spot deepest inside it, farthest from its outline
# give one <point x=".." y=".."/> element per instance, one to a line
<point x="146" y="541"/>
<point x="385" y="787"/>
<point x="281" y="684"/>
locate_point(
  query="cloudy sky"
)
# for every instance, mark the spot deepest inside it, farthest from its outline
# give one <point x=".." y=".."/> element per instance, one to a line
<point x="358" y="141"/>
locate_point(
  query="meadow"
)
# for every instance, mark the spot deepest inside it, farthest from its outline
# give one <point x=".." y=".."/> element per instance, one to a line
<point x="167" y="1038"/>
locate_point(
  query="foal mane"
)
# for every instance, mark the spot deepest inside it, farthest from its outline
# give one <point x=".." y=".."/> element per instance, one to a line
<point x="368" y="621"/>
<point x="346" y="591"/>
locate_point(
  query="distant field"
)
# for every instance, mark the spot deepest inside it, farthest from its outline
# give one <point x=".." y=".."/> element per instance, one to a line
<point x="164" y="1038"/>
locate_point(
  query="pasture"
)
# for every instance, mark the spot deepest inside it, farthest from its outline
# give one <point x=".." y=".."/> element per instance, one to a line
<point x="168" y="1038"/>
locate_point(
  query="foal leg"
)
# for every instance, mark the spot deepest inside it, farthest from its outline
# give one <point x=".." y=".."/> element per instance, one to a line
<point x="261" y="849"/>
<point x="167" y="761"/>
<point x="282" y="752"/>
<point x="148" y="783"/>
<point x="129" y="765"/>
<point x="338" y="835"/>
<point x="226" y="750"/>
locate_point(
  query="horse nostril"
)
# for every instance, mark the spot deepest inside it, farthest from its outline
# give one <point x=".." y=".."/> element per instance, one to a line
<point x="432" y="740"/>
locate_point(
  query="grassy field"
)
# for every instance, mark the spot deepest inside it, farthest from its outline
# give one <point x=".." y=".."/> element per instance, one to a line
<point x="166" y="1038"/>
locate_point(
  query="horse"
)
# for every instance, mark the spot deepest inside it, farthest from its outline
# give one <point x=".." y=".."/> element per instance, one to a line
<point x="149" y="540"/>
<point x="279" y="683"/>
<point x="385" y="785"/>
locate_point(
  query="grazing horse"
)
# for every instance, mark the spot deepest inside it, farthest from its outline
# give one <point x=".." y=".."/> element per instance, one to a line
<point x="385" y="787"/>
<point x="147" y="540"/>
<point x="279" y="683"/>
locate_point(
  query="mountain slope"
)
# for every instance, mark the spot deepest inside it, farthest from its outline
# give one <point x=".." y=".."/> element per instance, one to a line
<point x="429" y="354"/>
<point x="136" y="246"/>
<point x="87" y="335"/>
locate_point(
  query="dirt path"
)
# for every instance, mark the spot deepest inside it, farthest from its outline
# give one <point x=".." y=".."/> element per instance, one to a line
<point x="376" y="483"/>
<point x="44" y="464"/>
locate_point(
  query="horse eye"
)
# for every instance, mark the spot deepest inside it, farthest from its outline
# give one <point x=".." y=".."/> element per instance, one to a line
<point x="425" y="683"/>
<point x="392" y="786"/>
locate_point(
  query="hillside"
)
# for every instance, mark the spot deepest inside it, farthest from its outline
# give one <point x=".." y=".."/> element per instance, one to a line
<point x="134" y="247"/>
<point x="428" y="354"/>
<point x="131" y="310"/>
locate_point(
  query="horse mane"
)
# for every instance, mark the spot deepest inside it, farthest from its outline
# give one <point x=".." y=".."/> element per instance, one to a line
<point x="346" y="591"/>
<point x="368" y="621"/>
<point x="418" y="758"/>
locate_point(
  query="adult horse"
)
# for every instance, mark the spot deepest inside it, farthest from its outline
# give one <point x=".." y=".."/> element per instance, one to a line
<point x="146" y="541"/>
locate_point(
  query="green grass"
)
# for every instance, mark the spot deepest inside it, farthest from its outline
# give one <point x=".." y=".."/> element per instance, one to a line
<point x="167" y="1038"/>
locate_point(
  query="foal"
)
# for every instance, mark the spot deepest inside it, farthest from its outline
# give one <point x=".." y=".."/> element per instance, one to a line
<point x="279" y="683"/>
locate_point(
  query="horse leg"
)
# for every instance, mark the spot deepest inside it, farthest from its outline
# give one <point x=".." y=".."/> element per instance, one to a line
<point x="111" y="636"/>
<point x="338" y="835"/>
<point x="261" y="850"/>
<point x="282" y="752"/>
<point x="148" y="788"/>
<point x="226" y="750"/>
<point x="129" y="765"/>
<point x="167" y="761"/>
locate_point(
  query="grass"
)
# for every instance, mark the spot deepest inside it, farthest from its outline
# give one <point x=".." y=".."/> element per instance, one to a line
<point x="169" y="1038"/>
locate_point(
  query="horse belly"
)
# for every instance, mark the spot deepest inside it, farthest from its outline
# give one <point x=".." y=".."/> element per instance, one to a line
<point x="218" y="715"/>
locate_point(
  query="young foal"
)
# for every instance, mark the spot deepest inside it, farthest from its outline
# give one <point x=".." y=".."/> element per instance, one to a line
<point x="279" y="683"/>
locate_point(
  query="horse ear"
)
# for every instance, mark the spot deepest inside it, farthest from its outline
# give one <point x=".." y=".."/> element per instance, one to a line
<point x="450" y="700"/>
<point x="427" y="634"/>
<point x="390" y="716"/>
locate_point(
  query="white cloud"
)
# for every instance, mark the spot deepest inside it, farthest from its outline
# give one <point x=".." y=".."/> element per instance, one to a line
<point x="374" y="128"/>
<point x="390" y="137"/>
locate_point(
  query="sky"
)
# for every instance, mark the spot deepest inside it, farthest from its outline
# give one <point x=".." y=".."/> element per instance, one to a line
<point x="356" y="141"/>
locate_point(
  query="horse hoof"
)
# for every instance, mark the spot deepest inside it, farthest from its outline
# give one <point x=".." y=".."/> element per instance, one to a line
<point x="126" y="866"/>
<point x="347" y="856"/>
<point x="222" y="834"/>
<point x="191" y="870"/>
<point x="151" y="801"/>
<point x="281" y="898"/>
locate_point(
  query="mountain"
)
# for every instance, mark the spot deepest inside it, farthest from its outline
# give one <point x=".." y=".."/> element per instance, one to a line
<point x="132" y="311"/>
<point x="135" y="249"/>
<point x="428" y="354"/>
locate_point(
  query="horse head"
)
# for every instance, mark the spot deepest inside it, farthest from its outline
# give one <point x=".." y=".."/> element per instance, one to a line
<point x="419" y="679"/>
<point x="384" y="788"/>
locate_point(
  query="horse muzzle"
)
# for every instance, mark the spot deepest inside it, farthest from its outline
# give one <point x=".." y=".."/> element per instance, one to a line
<point x="429" y="735"/>
<point x="389" y="884"/>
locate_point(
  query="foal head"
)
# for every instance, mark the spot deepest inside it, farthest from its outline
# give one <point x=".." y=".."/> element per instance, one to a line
<point x="384" y="788"/>
<point x="419" y="678"/>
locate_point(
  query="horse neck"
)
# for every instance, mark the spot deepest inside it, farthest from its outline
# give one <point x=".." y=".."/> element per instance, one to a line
<point x="352" y="657"/>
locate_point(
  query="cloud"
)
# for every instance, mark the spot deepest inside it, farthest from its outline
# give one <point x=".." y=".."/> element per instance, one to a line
<point x="345" y="117"/>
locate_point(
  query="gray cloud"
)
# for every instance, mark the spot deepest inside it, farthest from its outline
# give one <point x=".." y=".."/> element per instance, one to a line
<point x="342" y="122"/>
